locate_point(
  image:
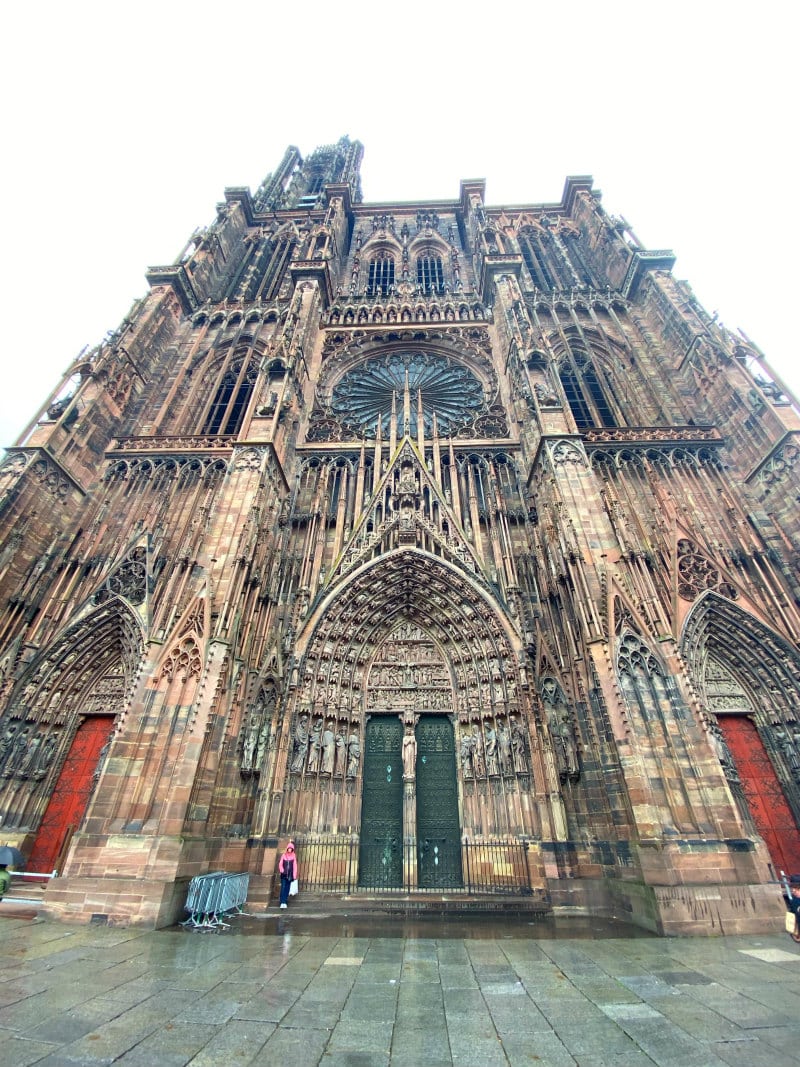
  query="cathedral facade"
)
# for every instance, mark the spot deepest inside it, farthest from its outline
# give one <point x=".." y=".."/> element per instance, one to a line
<point x="457" y="543"/>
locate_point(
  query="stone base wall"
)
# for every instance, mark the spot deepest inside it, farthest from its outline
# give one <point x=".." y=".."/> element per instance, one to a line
<point x="116" y="901"/>
<point x="685" y="910"/>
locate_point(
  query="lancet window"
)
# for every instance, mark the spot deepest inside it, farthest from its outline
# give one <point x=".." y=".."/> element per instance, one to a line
<point x="232" y="388"/>
<point x="430" y="274"/>
<point x="380" y="281"/>
<point x="589" y="391"/>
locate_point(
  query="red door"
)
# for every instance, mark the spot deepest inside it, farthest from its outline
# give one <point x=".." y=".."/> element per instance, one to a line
<point x="71" y="794"/>
<point x="760" y="785"/>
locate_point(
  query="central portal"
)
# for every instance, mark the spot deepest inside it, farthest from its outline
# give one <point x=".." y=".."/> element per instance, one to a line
<point x="428" y="856"/>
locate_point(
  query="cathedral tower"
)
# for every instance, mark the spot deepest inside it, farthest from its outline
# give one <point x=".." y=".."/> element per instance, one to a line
<point x="456" y="542"/>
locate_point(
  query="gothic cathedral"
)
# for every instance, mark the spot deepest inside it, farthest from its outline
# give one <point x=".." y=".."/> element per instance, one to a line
<point x="457" y="543"/>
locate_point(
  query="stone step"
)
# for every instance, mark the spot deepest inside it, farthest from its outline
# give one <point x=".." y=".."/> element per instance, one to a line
<point x="27" y="889"/>
<point x="410" y="904"/>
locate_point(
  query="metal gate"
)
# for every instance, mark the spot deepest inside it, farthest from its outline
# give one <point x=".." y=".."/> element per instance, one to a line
<point x="380" y="859"/>
<point x="438" y="828"/>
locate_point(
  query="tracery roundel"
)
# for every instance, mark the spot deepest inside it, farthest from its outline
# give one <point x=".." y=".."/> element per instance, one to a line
<point x="449" y="389"/>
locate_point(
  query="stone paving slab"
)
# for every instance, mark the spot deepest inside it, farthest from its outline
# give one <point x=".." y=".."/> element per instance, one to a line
<point x="91" y="997"/>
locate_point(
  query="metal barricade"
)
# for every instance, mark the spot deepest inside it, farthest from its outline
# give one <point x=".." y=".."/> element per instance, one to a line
<point x="212" y="897"/>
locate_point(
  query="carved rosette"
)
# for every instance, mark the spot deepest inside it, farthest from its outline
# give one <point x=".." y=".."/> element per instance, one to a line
<point x="696" y="573"/>
<point x="128" y="580"/>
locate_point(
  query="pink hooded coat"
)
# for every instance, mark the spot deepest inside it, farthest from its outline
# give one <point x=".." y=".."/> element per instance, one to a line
<point x="288" y="863"/>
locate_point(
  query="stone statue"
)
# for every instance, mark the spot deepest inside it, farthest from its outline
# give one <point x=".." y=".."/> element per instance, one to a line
<point x="353" y="755"/>
<point x="467" y="745"/>
<point x="340" y="764"/>
<point x="490" y="748"/>
<point x="563" y="744"/>
<point x="17" y="753"/>
<point x="315" y="746"/>
<point x="249" y="744"/>
<point x="518" y="747"/>
<point x="46" y="755"/>
<point x="504" y="748"/>
<point x="478" y="755"/>
<point x="7" y="741"/>
<point x="328" y="748"/>
<point x="300" y="743"/>
<point x="409" y="753"/>
<point x="28" y="761"/>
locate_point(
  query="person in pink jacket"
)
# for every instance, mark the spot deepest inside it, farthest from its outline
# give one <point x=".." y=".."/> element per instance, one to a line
<point x="288" y="872"/>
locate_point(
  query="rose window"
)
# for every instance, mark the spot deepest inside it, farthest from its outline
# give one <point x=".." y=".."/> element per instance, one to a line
<point x="364" y="395"/>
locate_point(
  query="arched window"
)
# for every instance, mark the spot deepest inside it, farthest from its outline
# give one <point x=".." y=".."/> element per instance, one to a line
<point x="381" y="275"/>
<point x="590" y="395"/>
<point x="234" y="387"/>
<point x="430" y="274"/>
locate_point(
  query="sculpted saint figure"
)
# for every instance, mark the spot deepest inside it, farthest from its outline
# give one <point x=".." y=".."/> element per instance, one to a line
<point x="490" y="748"/>
<point x="353" y="755"/>
<point x="328" y="748"/>
<point x="467" y="745"/>
<point x="315" y="746"/>
<point x="409" y="753"/>
<point x="504" y="748"/>
<point x="300" y="750"/>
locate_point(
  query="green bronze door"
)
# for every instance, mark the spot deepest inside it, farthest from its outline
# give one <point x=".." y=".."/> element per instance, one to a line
<point x="380" y="857"/>
<point x="438" y="829"/>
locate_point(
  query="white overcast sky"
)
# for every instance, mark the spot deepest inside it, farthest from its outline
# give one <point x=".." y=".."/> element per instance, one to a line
<point x="122" y="124"/>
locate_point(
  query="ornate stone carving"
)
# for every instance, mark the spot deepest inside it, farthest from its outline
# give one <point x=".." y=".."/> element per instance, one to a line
<point x="563" y="452"/>
<point x="128" y="580"/>
<point x="696" y="573"/>
<point x="183" y="662"/>
<point x="780" y="465"/>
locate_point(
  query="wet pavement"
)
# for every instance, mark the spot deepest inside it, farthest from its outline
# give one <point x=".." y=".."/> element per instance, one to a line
<point x="353" y="991"/>
<point x="477" y="927"/>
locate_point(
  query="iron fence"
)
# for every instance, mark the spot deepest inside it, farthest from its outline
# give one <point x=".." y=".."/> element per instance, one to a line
<point x="335" y="864"/>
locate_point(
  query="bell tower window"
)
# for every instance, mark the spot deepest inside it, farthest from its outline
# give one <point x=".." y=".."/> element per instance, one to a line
<point x="381" y="276"/>
<point x="430" y="274"/>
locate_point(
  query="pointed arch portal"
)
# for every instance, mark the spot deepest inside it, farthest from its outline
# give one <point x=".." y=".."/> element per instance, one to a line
<point x="61" y="716"/>
<point x="749" y="677"/>
<point x="411" y="642"/>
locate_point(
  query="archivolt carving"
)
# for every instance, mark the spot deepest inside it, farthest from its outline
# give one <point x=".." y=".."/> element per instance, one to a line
<point x="92" y="668"/>
<point x="413" y="594"/>
<point x="762" y="662"/>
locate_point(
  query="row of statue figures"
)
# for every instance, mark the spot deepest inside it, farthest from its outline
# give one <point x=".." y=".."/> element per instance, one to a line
<point x="26" y="752"/>
<point x="325" y="747"/>
<point x="495" y="747"/>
